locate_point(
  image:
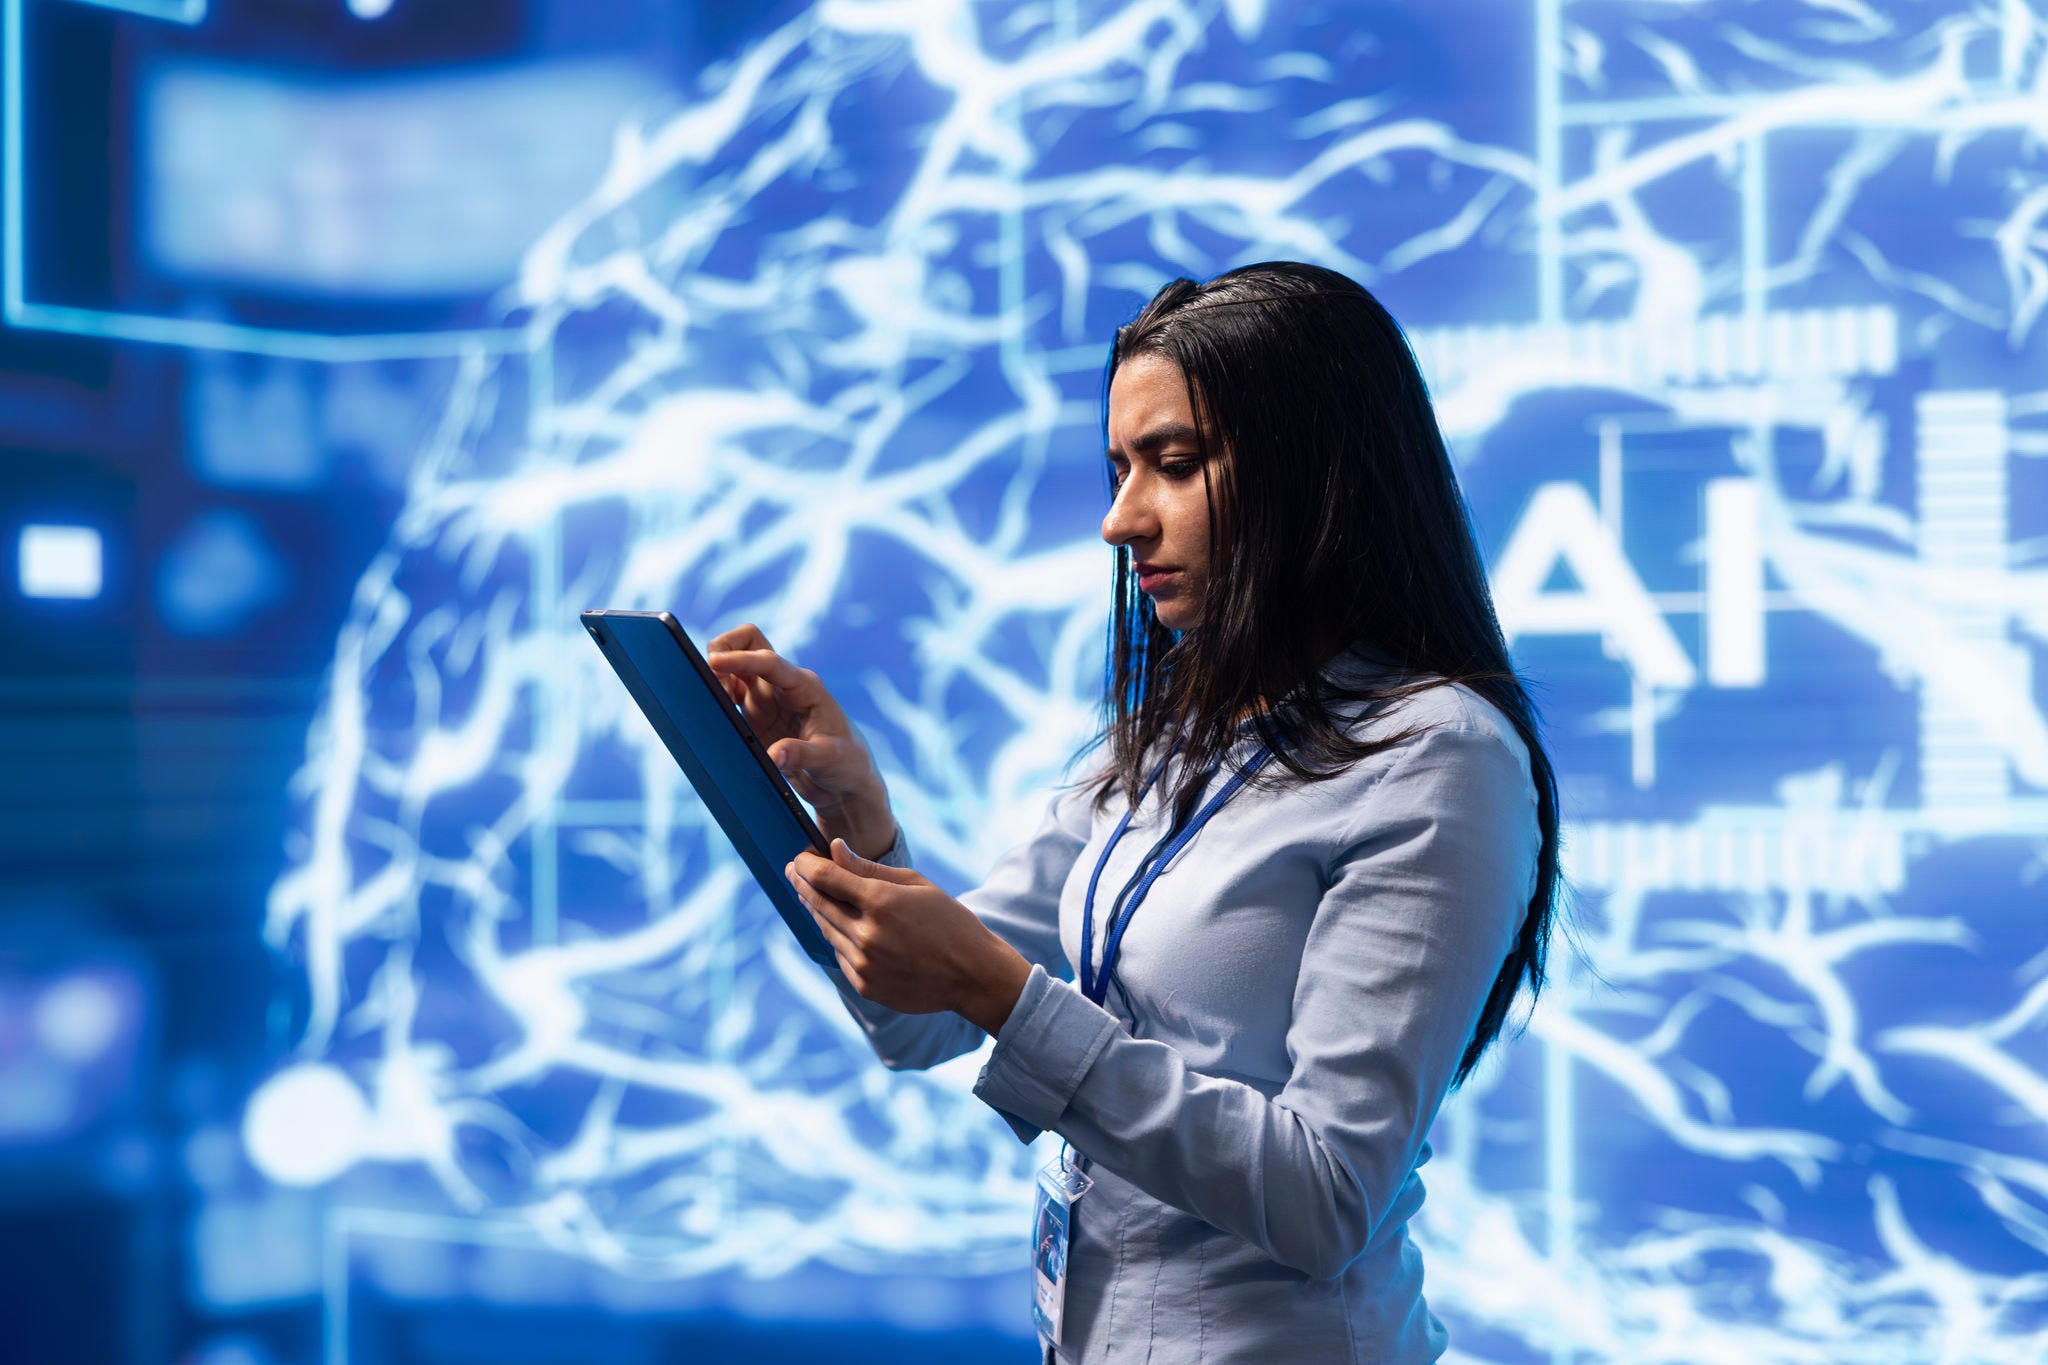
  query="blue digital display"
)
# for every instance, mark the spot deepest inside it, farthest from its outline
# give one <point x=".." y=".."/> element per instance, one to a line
<point x="400" y="187"/>
<point x="1734" y="317"/>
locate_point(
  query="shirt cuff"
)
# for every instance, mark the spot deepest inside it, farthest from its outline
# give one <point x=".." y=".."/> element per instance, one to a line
<point x="899" y="852"/>
<point x="1042" y="1053"/>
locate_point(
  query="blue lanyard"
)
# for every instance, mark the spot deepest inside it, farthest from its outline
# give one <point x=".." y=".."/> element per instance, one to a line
<point x="1094" y="981"/>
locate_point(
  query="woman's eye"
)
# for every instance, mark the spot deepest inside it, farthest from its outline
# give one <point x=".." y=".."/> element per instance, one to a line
<point x="1172" y="469"/>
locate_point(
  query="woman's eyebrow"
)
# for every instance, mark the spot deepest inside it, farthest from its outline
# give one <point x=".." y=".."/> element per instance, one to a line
<point x="1166" y="434"/>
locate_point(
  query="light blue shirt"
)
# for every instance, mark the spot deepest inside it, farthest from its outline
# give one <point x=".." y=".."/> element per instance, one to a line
<point x="1289" y="1007"/>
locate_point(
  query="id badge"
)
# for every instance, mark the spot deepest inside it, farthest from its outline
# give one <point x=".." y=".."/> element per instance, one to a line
<point x="1060" y="1187"/>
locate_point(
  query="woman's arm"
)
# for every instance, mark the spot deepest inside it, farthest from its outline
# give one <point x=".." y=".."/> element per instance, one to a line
<point x="809" y="736"/>
<point x="1019" y="901"/>
<point x="1425" y="901"/>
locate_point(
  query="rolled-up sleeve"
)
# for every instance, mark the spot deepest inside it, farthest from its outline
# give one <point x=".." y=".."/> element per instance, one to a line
<point x="1019" y="901"/>
<point x="1427" y="888"/>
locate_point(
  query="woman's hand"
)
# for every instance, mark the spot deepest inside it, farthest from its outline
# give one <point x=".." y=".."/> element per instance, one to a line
<point x="808" y="736"/>
<point x="904" y="943"/>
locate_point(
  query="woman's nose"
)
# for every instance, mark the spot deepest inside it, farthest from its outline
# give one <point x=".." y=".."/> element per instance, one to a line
<point x="1127" y="519"/>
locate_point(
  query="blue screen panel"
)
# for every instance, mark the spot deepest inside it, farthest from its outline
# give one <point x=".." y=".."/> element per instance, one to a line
<point x="372" y="186"/>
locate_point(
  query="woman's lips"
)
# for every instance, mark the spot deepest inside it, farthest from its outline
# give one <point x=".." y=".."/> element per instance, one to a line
<point x="1150" y="582"/>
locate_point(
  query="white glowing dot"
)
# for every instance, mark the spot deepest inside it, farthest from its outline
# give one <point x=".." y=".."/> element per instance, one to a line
<point x="306" y="1125"/>
<point x="60" y="561"/>
<point x="77" y="1019"/>
<point x="369" y="9"/>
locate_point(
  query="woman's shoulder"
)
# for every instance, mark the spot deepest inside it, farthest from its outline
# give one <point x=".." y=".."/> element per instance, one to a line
<point x="1437" y="714"/>
<point x="1457" y="707"/>
<point x="1451" y="752"/>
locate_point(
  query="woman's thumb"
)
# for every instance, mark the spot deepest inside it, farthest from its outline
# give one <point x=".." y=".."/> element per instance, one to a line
<point x="843" y="854"/>
<point x="789" y="754"/>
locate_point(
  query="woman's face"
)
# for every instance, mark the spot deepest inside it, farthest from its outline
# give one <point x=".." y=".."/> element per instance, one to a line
<point x="1162" y="502"/>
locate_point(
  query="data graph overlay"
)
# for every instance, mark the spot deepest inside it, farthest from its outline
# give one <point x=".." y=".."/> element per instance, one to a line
<point x="1732" y="314"/>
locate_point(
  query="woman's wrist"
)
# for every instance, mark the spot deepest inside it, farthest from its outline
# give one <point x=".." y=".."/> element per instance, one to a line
<point x="866" y="823"/>
<point x="994" y="985"/>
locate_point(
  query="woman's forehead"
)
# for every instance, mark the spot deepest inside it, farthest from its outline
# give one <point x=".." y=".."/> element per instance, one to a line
<point x="1148" y="393"/>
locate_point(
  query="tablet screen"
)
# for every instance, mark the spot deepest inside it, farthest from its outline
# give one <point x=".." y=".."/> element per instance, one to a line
<point x="719" y="752"/>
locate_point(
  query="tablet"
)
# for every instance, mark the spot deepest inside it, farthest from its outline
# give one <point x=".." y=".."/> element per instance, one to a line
<point x="718" y="751"/>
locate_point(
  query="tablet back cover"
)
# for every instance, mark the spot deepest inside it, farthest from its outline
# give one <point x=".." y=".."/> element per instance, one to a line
<point x="717" y="750"/>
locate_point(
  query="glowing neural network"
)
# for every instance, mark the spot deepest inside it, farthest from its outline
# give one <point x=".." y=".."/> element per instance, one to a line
<point x="823" y="352"/>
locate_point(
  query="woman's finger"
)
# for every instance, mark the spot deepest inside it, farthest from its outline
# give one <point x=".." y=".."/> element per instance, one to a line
<point x="809" y="790"/>
<point x="765" y="665"/>
<point x="745" y="636"/>
<point x="851" y="890"/>
<point x="845" y="949"/>
<point x="844" y="856"/>
<point x="800" y="768"/>
<point x="761" y="701"/>
<point x="822" y="902"/>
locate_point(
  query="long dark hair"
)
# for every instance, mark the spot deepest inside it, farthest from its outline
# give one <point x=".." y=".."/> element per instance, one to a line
<point x="1336" y="522"/>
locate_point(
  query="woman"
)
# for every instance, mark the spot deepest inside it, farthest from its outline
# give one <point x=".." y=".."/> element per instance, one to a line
<point x="1300" y="890"/>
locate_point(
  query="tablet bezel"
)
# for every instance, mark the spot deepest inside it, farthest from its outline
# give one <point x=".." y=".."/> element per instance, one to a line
<point x="779" y="893"/>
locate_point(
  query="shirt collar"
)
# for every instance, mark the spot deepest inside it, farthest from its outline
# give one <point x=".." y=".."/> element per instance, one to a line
<point x="1349" y="667"/>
